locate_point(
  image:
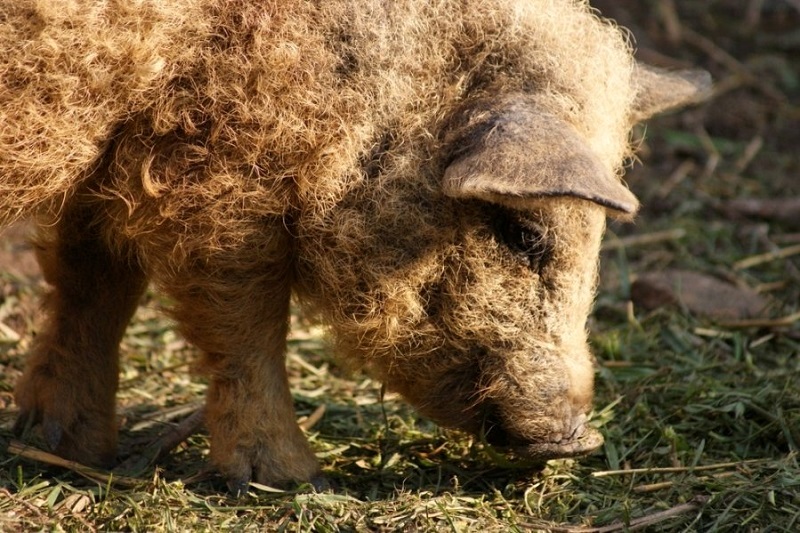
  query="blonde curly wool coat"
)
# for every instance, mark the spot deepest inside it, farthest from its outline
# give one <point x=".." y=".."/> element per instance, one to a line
<point x="430" y="178"/>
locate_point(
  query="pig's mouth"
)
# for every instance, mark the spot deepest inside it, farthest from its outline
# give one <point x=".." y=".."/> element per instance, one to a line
<point x="583" y="440"/>
<point x="589" y="441"/>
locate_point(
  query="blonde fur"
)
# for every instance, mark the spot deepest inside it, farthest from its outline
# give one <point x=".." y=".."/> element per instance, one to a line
<point x="235" y="152"/>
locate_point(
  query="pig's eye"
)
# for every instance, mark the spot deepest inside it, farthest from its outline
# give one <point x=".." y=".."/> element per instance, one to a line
<point x="525" y="238"/>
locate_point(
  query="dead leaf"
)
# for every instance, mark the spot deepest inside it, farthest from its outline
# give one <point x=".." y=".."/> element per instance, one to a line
<point x="699" y="294"/>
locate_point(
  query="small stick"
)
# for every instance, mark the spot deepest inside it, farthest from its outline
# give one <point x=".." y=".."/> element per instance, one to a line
<point x="306" y="365"/>
<point x="760" y="259"/>
<point x="637" y="523"/>
<point x="672" y="469"/>
<point x="648" y="238"/>
<point x="29" y="506"/>
<point x="762" y="288"/>
<point x="92" y="474"/>
<point x="653" y="487"/>
<point x="791" y="269"/>
<point x="166" y="416"/>
<point x="750" y="152"/>
<point x="169" y="440"/>
<point x="787" y="238"/>
<point x="781" y="322"/>
<point x="714" y="156"/>
<point x="672" y="23"/>
<point x="141" y="376"/>
<point x="752" y="16"/>
<point x="718" y="54"/>
<point x="165" y="443"/>
<point x="674" y="179"/>
<point x="311" y="420"/>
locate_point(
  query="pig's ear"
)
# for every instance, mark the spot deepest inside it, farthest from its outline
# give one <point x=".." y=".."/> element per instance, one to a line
<point x="516" y="154"/>
<point x="659" y="90"/>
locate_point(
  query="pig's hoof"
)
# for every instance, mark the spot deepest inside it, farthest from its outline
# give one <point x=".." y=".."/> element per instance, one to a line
<point x="238" y="487"/>
<point x="258" y="464"/>
<point x="78" y="441"/>
<point x="321" y="483"/>
<point x="582" y="443"/>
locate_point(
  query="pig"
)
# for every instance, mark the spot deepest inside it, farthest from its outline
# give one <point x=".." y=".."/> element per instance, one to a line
<point x="431" y="180"/>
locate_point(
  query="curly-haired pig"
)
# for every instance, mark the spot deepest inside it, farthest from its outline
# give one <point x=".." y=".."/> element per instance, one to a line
<point x="429" y="178"/>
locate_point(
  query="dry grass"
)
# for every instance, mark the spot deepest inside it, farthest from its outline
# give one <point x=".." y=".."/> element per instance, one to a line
<point x="702" y="420"/>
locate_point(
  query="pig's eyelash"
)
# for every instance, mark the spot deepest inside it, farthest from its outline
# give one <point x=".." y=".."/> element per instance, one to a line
<point x="526" y="239"/>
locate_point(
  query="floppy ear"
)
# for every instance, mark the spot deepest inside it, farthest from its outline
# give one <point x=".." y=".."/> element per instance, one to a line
<point x="514" y="152"/>
<point x="659" y="90"/>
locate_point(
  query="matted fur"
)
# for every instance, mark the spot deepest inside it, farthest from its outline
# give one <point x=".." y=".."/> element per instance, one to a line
<point x="272" y="102"/>
<point x="236" y="151"/>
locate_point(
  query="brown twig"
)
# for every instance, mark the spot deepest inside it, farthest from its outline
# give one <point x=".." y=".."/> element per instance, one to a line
<point x="672" y="23"/>
<point x="673" y="469"/>
<point x="721" y="56"/>
<point x="783" y="209"/>
<point x="165" y="443"/>
<point x="640" y="240"/>
<point x="311" y="420"/>
<point x="760" y="259"/>
<point x="98" y="476"/>
<point x="752" y="16"/>
<point x="637" y="523"/>
<point x="653" y="487"/>
<point x="5" y="493"/>
<point x="675" y="179"/>
<point x="165" y="416"/>
<point x="781" y="322"/>
<point x="750" y="152"/>
<point x="170" y="440"/>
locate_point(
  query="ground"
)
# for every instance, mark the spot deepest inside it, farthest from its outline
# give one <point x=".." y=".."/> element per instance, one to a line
<point x="699" y="402"/>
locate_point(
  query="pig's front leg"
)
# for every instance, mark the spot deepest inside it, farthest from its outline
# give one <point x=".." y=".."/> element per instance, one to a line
<point x="251" y="418"/>
<point x="70" y="380"/>
<point x="238" y="313"/>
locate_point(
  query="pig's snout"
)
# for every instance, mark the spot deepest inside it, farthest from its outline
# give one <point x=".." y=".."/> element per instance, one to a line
<point x="578" y="439"/>
<point x="584" y="443"/>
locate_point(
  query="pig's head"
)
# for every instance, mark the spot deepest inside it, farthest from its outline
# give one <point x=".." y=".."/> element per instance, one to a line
<point x="462" y="274"/>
